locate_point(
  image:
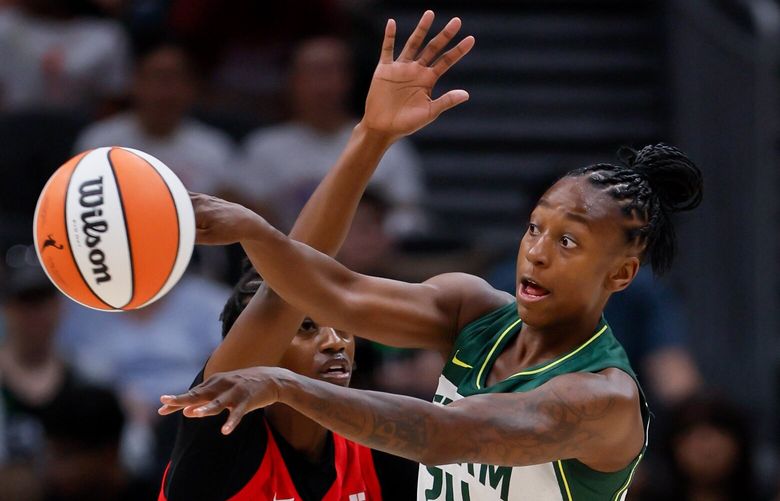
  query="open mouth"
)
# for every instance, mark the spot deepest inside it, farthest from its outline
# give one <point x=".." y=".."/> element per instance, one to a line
<point x="530" y="290"/>
<point x="337" y="371"/>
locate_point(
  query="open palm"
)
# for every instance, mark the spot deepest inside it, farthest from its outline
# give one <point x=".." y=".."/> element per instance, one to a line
<point x="399" y="100"/>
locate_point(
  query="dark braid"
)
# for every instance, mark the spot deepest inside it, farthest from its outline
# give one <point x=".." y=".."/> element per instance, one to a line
<point x="245" y="288"/>
<point x="650" y="185"/>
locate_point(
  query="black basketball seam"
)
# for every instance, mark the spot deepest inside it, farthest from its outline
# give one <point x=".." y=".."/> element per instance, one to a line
<point x="127" y="228"/>
<point x="178" y="225"/>
<point x="67" y="233"/>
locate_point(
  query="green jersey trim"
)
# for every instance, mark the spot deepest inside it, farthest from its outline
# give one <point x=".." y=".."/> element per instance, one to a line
<point x="565" y="482"/>
<point x="528" y="372"/>
<point x="630" y="476"/>
<point x="563" y="358"/>
<point x="493" y="349"/>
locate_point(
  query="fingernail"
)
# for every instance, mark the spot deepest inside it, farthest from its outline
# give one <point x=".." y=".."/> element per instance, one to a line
<point x="166" y="397"/>
<point x="199" y="410"/>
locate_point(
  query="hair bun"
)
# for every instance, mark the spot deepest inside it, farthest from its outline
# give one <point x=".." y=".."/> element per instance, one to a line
<point x="673" y="177"/>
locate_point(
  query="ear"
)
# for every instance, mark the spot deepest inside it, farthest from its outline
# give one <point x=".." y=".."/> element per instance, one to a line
<point x="622" y="276"/>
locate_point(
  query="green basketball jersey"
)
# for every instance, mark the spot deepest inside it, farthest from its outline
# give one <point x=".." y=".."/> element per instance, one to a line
<point x="476" y="348"/>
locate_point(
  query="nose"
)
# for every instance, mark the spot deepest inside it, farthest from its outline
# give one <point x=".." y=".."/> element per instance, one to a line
<point x="537" y="252"/>
<point x="332" y="340"/>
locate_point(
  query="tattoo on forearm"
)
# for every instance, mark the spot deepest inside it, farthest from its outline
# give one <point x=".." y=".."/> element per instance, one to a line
<point x="377" y="421"/>
<point x="502" y="431"/>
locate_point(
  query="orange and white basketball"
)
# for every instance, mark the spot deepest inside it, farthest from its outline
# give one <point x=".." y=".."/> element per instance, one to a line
<point x="114" y="229"/>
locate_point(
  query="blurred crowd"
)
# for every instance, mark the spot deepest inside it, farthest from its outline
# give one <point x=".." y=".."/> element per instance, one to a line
<point x="253" y="103"/>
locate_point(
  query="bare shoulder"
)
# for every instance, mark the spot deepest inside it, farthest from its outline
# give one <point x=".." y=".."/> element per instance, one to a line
<point x="471" y="295"/>
<point x="611" y="383"/>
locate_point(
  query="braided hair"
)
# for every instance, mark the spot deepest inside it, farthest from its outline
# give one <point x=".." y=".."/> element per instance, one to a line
<point x="649" y="186"/>
<point x="245" y="288"/>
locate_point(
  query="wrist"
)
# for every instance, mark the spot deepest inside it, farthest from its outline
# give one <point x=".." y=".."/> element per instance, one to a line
<point x="286" y="383"/>
<point x="250" y="226"/>
<point x="373" y="137"/>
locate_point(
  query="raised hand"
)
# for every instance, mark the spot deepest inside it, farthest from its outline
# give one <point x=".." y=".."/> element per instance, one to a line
<point x="400" y="101"/>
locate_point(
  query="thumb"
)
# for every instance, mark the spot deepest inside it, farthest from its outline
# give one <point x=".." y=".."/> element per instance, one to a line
<point x="449" y="100"/>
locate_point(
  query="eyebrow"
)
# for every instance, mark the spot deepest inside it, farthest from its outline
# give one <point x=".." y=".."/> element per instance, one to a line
<point x="574" y="216"/>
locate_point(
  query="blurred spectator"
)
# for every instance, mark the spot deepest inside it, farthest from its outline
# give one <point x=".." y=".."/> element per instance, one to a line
<point x="164" y="90"/>
<point x="245" y="46"/>
<point x="283" y="164"/>
<point x="53" y="57"/>
<point x="710" y="453"/>
<point x="83" y="430"/>
<point x="145" y="353"/>
<point x="32" y="375"/>
<point x="650" y="323"/>
<point x="369" y="248"/>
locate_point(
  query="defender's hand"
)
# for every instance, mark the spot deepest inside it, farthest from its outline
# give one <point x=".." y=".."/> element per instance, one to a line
<point x="399" y="101"/>
<point x="240" y="392"/>
<point x="217" y="221"/>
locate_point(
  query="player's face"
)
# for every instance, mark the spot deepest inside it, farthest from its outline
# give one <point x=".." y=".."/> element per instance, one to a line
<point x="321" y="353"/>
<point x="574" y="243"/>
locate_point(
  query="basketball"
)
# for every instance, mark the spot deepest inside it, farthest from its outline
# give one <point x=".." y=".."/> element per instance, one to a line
<point x="114" y="228"/>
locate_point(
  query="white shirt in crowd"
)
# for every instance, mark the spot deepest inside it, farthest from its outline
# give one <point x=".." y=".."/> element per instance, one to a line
<point x="282" y="166"/>
<point x="60" y="63"/>
<point x="197" y="153"/>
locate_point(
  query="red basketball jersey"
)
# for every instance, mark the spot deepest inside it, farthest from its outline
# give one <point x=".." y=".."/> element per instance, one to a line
<point x="356" y="479"/>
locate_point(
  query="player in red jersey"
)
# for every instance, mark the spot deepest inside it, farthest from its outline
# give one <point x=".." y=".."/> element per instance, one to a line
<point x="277" y="453"/>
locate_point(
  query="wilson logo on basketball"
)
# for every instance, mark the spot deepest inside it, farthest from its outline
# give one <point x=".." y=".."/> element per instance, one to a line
<point x="91" y="198"/>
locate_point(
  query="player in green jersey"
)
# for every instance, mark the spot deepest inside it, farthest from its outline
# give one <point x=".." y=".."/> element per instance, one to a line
<point x="537" y="400"/>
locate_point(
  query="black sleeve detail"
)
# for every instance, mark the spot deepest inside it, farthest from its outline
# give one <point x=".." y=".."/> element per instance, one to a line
<point x="397" y="476"/>
<point x="207" y="465"/>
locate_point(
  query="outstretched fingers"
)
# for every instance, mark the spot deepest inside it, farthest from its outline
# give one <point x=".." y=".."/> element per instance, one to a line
<point x="452" y="56"/>
<point x="448" y="100"/>
<point x="192" y="397"/>
<point x="388" y="44"/>
<point x="198" y="396"/>
<point x="416" y="39"/>
<point x="209" y="399"/>
<point x="437" y="43"/>
<point x="236" y="414"/>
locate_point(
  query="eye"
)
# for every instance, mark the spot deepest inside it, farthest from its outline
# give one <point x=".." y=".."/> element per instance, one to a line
<point x="533" y="229"/>
<point x="308" y="326"/>
<point x="567" y="242"/>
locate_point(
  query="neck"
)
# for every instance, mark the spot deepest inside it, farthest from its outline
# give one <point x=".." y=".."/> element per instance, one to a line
<point x="303" y="434"/>
<point x="537" y="344"/>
